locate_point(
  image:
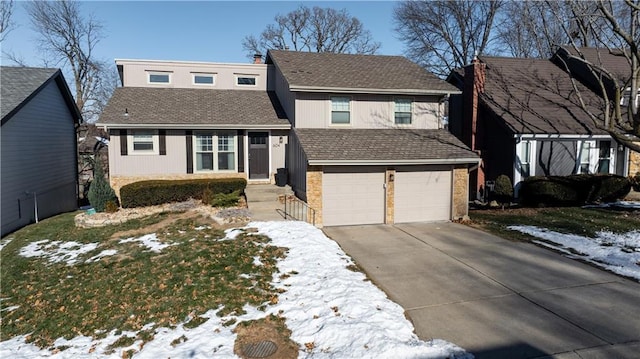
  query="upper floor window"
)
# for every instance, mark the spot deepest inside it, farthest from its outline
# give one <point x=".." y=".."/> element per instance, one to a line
<point x="159" y="77"/>
<point x="143" y="142"/>
<point x="203" y="79"/>
<point x="402" y="111"/>
<point x="340" y="110"/>
<point x="626" y="97"/>
<point x="246" y="80"/>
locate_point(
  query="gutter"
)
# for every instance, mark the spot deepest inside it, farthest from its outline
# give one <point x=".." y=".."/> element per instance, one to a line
<point x="300" y="88"/>
<point x="435" y="161"/>
<point x="107" y="126"/>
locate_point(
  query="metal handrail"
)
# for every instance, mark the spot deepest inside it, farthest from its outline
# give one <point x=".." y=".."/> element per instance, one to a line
<point x="299" y="210"/>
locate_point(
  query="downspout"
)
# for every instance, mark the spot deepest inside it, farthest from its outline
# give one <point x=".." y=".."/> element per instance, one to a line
<point x="35" y="205"/>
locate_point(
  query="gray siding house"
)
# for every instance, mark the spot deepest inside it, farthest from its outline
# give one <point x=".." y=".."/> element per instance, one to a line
<point x="39" y="150"/>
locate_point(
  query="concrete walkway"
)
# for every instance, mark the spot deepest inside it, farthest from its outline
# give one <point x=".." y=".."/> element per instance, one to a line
<point x="263" y="202"/>
<point x="496" y="298"/>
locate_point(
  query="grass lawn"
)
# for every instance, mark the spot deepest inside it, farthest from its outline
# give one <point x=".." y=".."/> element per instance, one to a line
<point x="130" y="285"/>
<point x="570" y="220"/>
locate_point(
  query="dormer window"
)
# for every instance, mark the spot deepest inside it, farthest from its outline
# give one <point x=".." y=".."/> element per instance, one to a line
<point x="159" y="77"/>
<point x="246" y="80"/>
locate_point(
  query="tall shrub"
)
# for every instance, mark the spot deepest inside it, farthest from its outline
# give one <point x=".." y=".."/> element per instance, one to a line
<point x="503" y="191"/>
<point x="100" y="192"/>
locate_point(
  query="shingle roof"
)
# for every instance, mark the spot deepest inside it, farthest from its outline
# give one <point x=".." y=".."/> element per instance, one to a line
<point x="536" y="96"/>
<point x="19" y="83"/>
<point x="349" y="71"/>
<point x="380" y="145"/>
<point x="613" y="61"/>
<point x="183" y="106"/>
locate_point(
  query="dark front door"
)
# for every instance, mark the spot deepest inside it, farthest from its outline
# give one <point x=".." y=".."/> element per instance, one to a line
<point x="258" y="155"/>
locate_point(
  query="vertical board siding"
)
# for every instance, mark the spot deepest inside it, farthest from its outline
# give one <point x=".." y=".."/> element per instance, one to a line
<point x="38" y="155"/>
<point x="287" y="98"/>
<point x="313" y="110"/>
<point x="278" y="150"/>
<point x="297" y="166"/>
<point x="555" y="158"/>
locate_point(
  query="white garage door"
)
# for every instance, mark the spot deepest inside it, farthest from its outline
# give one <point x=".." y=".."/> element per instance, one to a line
<point x="352" y="196"/>
<point x="422" y="194"/>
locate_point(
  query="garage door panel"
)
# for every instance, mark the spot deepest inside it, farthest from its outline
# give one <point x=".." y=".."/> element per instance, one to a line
<point x="422" y="194"/>
<point x="352" y="197"/>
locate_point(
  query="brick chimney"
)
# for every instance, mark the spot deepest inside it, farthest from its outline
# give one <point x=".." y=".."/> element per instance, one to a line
<point x="474" y="80"/>
<point x="257" y="58"/>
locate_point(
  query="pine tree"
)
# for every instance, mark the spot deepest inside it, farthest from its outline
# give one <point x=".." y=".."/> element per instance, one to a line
<point x="100" y="192"/>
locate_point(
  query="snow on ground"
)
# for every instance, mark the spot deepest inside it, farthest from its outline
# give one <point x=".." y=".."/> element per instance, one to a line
<point x="150" y="241"/>
<point x="326" y="305"/>
<point x="619" y="204"/>
<point x="619" y="253"/>
<point x="57" y="251"/>
<point x="4" y="242"/>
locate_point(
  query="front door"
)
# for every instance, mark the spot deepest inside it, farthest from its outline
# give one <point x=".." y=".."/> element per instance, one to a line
<point x="258" y="155"/>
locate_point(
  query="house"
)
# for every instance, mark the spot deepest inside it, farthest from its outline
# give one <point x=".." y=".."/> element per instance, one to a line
<point x="368" y="145"/>
<point x="39" y="151"/>
<point x="178" y="120"/>
<point x="524" y="119"/>
<point x="360" y="135"/>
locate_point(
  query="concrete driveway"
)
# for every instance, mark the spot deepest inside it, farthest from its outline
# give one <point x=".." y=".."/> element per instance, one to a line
<point x="497" y="298"/>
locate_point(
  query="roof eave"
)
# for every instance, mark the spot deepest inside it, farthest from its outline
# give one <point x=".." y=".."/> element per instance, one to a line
<point x="193" y="126"/>
<point x="433" y="161"/>
<point x="299" y="88"/>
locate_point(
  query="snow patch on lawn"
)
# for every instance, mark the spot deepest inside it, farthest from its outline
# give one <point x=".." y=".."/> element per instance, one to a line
<point x="335" y="311"/>
<point x="57" y="251"/>
<point x="4" y="242"/>
<point x="149" y="241"/>
<point x="619" y="253"/>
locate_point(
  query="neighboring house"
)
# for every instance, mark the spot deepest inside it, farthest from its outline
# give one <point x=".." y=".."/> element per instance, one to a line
<point x="176" y="120"/>
<point x="39" y="151"/>
<point x="524" y="119"/>
<point x="92" y="147"/>
<point x="368" y="145"/>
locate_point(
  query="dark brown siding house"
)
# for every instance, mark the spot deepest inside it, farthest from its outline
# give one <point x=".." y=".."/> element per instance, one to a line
<point x="524" y="119"/>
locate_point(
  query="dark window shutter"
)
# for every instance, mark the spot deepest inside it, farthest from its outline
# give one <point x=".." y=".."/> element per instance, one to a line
<point x="162" y="141"/>
<point x="189" y="140"/>
<point x="123" y="143"/>
<point x="240" y="151"/>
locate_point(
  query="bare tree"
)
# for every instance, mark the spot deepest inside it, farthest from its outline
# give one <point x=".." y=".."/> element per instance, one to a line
<point x="6" y="25"/>
<point x="445" y="35"/>
<point x="70" y="38"/>
<point x="613" y="69"/>
<point x="314" y="30"/>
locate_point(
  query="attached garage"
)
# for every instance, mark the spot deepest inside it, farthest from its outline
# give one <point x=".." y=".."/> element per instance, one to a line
<point x="353" y="195"/>
<point x="422" y="193"/>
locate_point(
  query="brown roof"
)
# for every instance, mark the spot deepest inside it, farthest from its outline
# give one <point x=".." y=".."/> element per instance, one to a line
<point x="536" y="96"/>
<point x="183" y="106"/>
<point x="356" y="72"/>
<point x="383" y="146"/>
<point x="614" y="60"/>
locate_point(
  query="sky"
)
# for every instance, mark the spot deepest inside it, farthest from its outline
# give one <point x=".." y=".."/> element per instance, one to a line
<point x="209" y="31"/>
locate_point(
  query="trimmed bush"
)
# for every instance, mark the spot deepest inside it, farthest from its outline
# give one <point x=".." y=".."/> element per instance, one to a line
<point x="224" y="200"/>
<point x="574" y="190"/>
<point x="154" y="192"/>
<point x="503" y="191"/>
<point x="100" y="192"/>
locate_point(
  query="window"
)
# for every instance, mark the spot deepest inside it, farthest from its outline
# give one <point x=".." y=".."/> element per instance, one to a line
<point x="143" y="142"/>
<point x="584" y="157"/>
<point x="604" y="157"/>
<point x="340" y="110"/>
<point x="246" y="80"/>
<point x="524" y="157"/>
<point x="626" y="97"/>
<point x="215" y="152"/>
<point x="159" y="77"/>
<point x="203" y="79"/>
<point x="402" y="110"/>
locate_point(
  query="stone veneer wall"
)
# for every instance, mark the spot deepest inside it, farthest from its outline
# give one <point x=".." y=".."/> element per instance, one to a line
<point x="118" y="182"/>
<point x="634" y="163"/>
<point x="391" y="205"/>
<point x="314" y="191"/>
<point x="460" y="201"/>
